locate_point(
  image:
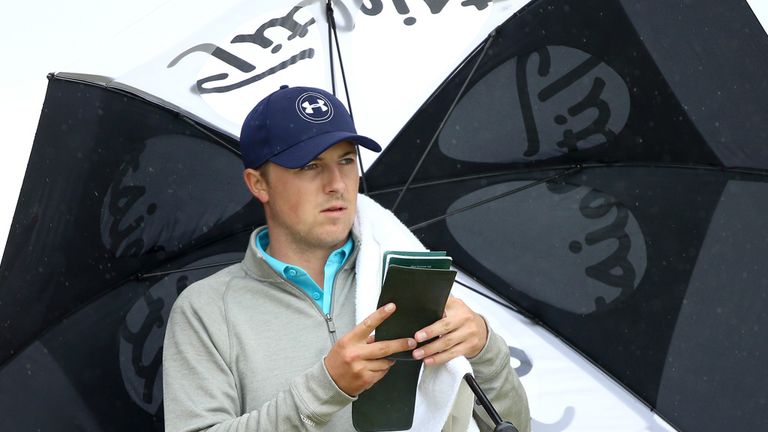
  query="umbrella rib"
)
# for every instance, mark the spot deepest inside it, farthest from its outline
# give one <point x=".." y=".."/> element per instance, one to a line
<point x="526" y="170"/>
<point x="140" y="276"/>
<point x="349" y="102"/>
<point x="571" y="170"/>
<point x="210" y="135"/>
<point x="505" y="304"/>
<point x="186" y="269"/>
<point x="332" y="29"/>
<point x="555" y="177"/>
<point x="488" y="42"/>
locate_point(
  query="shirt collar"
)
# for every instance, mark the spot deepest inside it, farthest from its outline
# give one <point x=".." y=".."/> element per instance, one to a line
<point x="262" y="243"/>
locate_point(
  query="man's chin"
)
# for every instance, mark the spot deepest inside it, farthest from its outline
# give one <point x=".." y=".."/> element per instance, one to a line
<point x="335" y="240"/>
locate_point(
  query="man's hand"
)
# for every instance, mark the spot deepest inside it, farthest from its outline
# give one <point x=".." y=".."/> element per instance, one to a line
<point x="356" y="362"/>
<point x="461" y="332"/>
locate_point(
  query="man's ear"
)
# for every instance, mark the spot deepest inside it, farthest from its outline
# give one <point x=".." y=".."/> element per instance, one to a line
<point x="257" y="184"/>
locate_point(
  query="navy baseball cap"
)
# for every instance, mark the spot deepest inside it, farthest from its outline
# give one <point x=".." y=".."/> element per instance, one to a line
<point x="293" y="125"/>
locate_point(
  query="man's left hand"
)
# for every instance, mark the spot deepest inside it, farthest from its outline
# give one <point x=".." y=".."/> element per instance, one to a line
<point x="461" y="332"/>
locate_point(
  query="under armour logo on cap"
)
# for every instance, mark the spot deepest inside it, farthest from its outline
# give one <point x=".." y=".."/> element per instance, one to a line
<point x="310" y="108"/>
<point x="314" y="107"/>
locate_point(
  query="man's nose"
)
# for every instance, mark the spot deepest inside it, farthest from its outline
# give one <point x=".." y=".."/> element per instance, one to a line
<point x="335" y="180"/>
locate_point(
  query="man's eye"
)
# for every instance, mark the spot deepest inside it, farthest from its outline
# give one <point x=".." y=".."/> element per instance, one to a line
<point x="309" y="167"/>
<point x="347" y="161"/>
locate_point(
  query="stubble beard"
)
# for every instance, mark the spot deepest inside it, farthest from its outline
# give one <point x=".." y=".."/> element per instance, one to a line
<point x="313" y="238"/>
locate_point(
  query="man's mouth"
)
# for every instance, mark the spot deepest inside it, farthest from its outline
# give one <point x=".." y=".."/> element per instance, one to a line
<point x="334" y="209"/>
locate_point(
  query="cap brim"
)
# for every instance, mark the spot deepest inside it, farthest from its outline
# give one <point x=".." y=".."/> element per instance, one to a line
<point x="306" y="151"/>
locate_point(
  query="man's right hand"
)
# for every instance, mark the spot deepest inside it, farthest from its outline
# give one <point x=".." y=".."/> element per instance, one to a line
<point x="356" y="362"/>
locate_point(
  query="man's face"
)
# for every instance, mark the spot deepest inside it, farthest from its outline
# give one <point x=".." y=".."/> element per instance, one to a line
<point x="313" y="207"/>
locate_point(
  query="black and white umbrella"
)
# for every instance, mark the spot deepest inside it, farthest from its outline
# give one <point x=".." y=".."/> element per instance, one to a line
<point x="133" y="192"/>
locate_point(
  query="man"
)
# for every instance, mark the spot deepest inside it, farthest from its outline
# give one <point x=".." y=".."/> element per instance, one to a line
<point x="271" y="343"/>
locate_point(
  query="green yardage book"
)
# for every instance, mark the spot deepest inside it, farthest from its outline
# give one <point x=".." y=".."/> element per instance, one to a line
<point x="426" y="259"/>
<point x="419" y="283"/>
<point x="420" y="295"/>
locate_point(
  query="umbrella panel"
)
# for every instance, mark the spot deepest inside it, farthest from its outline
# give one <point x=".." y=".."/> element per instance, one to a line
<point x="115" y="187"/>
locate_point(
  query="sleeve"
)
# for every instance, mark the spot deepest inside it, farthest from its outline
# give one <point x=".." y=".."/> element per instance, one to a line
<point x="499" y="381"/>
<point x="201" y="393"/>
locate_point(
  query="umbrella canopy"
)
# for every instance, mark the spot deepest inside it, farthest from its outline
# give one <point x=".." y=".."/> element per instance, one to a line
<point x="603" y="166"/>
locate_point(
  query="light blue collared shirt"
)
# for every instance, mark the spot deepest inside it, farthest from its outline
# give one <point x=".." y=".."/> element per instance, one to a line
<point x="300" y="278"/>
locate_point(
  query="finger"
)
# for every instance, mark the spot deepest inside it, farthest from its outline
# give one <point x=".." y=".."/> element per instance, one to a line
<point x="445" y="356"/>
<point x="444" y="343"/>
<point x="455" y="315"/>
<point x="457" y="309"/>
<point x="380" y="365"/>
<point x="438" y="328"/>
<point x="454" y="302"/>
<point x="369" y="324"/>
<point x="385" y="348"/>
<point x="449" y="304"/>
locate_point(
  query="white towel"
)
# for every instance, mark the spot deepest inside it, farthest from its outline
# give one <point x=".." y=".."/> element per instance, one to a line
<point x="379" y="230"/>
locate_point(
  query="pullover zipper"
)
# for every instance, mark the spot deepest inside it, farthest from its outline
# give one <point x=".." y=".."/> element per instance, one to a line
<point x="331" y="327"/>
<point x="329" y="316"/>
